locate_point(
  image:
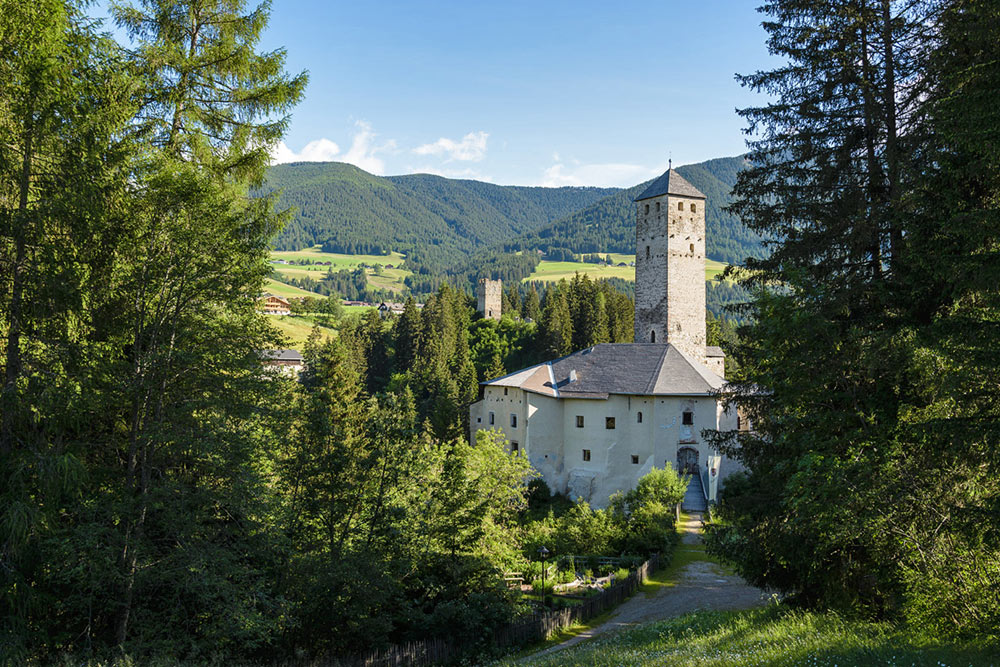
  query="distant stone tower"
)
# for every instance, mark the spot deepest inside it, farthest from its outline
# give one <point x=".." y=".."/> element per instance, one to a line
<point x="490" y="297"/>
<point x="670" y="265"/>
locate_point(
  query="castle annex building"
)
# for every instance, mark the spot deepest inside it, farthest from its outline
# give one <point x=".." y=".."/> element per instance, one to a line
<point x="594" y="422"/>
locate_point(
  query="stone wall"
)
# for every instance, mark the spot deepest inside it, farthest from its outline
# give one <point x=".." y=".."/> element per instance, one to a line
<point x="489" y="296"/>
<point x="670" y="273"/>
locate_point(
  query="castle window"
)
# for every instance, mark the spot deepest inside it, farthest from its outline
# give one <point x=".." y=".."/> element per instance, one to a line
<point x="635" y="460"/>
<point x="505" y="391"/>
<point x="638" y="419"/>
<point x="647" y="252"/>
<point x="647" y="209"/>
<point x="492" y="419"/>
<point x="609" y="423"/>
<point x="513" y="420"/>
<point x="479" y="420"/>
<point x="513" y="447"/>
<point x="693" y="208"/>
<point x="652" y="336"/>
<point x="692" y="248"/>
<point x="586" y="455"/>
<point x="688" y="418"/>
<point x="579" y="421"/>
<point x="680" y="206"/>
<point x="657" y="207"/>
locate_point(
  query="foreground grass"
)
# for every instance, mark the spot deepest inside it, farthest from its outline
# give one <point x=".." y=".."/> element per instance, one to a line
<point x="773" y="635"/>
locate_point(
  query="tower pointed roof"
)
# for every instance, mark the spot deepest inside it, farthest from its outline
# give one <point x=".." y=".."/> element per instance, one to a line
<point x="670" y="183"/>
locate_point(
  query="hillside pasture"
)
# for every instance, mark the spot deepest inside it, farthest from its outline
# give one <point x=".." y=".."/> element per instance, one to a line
<point x="297" y="329"/>
<point x="281" y="289"/>
<point x="337" y="260"/>
<point x="555" y="271"/>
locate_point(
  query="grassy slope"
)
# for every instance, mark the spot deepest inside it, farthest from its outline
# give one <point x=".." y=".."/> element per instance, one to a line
<point x="555" y="271"/>
<point x="297" y="329"/>
<point x="391" y="279"/>
<point x="774" y="635"/>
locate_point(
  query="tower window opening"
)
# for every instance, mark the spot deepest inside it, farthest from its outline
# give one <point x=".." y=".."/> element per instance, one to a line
<point x="635" y="460"/>
<point x="638" y="419"/>
<point x="692" y="248"/>
<point x="647" y="252"/>
<point x="647" y="209"/>
<point x="586" y="455"/>
<point x="609" y="423"/>
<point x="680" y="206"/>
<point x="652" y="336"/>
<point x="657" y="207"/>
<point x="492" y="419"/>
<point x="513" y="420"/>
<point x="579" y="421"/>
<point x="693" y="209"/>
<point x="687" y="419"/>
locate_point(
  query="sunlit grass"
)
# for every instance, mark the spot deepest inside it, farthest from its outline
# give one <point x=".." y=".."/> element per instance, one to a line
<point x="547" y="271"/>
<point x="774" y="635"/>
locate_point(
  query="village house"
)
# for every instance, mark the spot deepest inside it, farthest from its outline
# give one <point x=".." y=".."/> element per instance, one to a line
<point x="274" y="305"/>
<point x="287" y="362"/>
<point x="594" y="422"/>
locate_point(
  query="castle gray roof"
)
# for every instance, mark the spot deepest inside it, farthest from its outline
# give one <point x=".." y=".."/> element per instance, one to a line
<point x="670" y="183"/>
<point x="282" y="355"/>
<point x="644" y="369"/>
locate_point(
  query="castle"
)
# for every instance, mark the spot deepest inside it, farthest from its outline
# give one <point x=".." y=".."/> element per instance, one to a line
<point x="595" y="421"/>
<point x="489" y="297"/>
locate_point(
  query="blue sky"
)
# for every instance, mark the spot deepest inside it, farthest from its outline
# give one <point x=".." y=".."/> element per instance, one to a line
<point x="528" y="93"/>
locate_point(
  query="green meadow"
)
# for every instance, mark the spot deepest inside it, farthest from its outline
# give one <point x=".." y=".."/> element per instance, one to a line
<point x="555" y="271"/>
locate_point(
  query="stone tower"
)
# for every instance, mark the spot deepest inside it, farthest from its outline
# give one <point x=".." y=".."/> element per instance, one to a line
<point x="489" y="294"/>
<point x="670" y="265"/>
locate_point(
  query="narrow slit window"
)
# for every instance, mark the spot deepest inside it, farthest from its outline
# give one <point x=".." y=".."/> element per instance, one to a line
<point x="586" y="455"/>
<point x="652" y="336"/>
<point x="693" y="209"/>
<point x="513" y="420"/>
<point x="638" y="418"/>
<point x="680" y="206"/>
<point x="492" y="419"/>
<point x="647" y="252"/>
<point x="647" y="209"/>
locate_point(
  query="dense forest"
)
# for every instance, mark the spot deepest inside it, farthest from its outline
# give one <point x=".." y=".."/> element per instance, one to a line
<point x="435" y="221"/>
<point x="609" y="224"/>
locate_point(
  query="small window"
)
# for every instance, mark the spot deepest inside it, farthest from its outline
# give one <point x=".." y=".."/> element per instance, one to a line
<point x="505" y="391"/>
<point x="691" y="247"/>
<point x="586" y="455"/>
<point x="739" y="423"/>
<point x="693" y="209"/>
<point x="647" y="252"/>
<point x="513" y="447"/>
<point x="647" y="209"/>
<point x="657" y="207"/>
<point x="638" y="418"/>
<point x="579" y="421"/>
<point x="680" y="206"/>
<point x="635" y="460"/>
<point x="513" y="420"/>
<point x="609" y="423"/>
<point x="492" y="421"/>
<point x="479" y="420"/>
<point x="688" y="418"/>
<point x="652" y="336"/>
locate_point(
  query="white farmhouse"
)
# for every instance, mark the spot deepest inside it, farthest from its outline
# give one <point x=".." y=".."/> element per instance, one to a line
<point x="594" y="422"/>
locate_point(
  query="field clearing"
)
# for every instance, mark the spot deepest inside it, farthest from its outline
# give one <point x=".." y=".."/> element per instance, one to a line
<point x="337" y="260"/>
<point x="281" y="289"/>
<point x="297" y="329"/>
<point x="555" y="271"/>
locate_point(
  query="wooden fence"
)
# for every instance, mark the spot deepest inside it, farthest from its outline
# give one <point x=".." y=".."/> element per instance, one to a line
<point x="536" y="627"/>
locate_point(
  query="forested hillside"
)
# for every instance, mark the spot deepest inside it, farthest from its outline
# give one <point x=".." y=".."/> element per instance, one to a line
<point x="433" y="220"/>
<point x="609" y="224"/>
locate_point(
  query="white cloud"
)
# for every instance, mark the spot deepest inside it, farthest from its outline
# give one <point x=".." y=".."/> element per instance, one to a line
<point x="363" y="150"/>
<point x="472" y="148"/>
<point x="320" y="150"/>
<point x="603" y="175"/>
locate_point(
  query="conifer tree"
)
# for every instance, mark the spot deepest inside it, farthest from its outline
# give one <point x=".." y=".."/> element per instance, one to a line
<point x="532" y="307"/>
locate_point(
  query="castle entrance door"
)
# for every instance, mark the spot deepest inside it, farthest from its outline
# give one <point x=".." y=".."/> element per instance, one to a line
<point x="687" y="460"/>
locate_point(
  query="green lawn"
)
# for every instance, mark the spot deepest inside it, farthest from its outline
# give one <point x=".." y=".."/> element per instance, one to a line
<point x="391" y="279"/>
<point x="547" y="271"/>
<point x="337" y="260"/>
<point x="297" y="329"/>
<point x="773" y="635"/>
<point x="281" y="289"/>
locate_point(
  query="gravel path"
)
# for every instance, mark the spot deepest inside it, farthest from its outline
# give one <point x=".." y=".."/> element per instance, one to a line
<point x="700" y="585"/>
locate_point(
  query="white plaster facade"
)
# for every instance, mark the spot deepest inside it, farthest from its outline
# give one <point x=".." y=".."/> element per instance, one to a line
<point x="560" y="413"/>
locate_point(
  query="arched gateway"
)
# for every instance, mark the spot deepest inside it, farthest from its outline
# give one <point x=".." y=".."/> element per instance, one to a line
<point x="687" y="460"/>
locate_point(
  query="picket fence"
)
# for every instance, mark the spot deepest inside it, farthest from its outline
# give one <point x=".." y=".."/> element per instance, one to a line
<point x="533" y="628"/>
